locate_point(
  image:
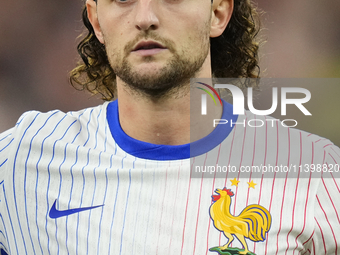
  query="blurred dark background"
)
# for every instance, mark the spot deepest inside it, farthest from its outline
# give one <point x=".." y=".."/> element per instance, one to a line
<point x="38" y="49"/>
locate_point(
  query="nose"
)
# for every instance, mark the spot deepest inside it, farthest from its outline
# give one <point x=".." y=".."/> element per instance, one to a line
<point x="146" y="17"/>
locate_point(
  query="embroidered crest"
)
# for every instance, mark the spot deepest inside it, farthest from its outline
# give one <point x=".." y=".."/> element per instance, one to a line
<point x="252" y="223"/>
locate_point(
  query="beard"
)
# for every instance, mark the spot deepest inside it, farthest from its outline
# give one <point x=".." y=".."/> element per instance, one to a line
<point x="168" y="80"/>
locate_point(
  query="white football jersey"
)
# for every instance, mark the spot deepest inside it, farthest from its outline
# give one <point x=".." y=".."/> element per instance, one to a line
<point x="75" y="183"/>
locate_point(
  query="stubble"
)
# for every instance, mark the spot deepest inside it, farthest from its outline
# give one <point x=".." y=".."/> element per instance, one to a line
<point x="173" y="79"/>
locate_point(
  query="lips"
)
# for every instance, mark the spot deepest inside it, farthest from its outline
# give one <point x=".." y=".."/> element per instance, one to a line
<point x="148" y="45"/>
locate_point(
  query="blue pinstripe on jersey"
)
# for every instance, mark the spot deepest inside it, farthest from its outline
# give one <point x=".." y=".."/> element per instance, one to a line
<point x="37" y="170"/>
<point x="0" y="230"/>
<point x="95" y="147"/>
<point x="106" y="185"/>
<point x="72" y="181"/>
<point x="151" y="198"/>
<point x="106" y="181"/>
<point x="94" y="191"/>
<point x="25" y="178"/>
<point x="137" y="211"/>
<point x="114" y="211"/>
<point x="75" y="137"/>
<point x="65" y="156"/>
<point x="49" y="181"/>
<point x="37" y="181"/>
<point x="81" y="127"/>
<point x="10" y="220"/>
<point x="88" y="159"/>
<point x="3" y="162"/>
<point x="6" y="144"/>
<point x="5" y="137"/>
<point x="105" y="141"/>
<point x="21" y="118"/>
<point x="71" y="171"/>
<point x="87" y="127"/>
<point x="104" y="201"/>
<point x="81" y="198"/>
<point x="126" y="206"/>
<point x="3" y="246"/>
<point x="15" y="159"/>
<point x="49" y="175"/>
<point x="61" y="180"/>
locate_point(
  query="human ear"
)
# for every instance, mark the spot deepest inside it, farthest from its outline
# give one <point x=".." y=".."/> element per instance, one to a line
<point x="221" y="14"/>
<point x="91" y="7"/>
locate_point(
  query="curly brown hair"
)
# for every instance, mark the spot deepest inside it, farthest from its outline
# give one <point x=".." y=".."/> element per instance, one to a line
<point x="234" y="54"/>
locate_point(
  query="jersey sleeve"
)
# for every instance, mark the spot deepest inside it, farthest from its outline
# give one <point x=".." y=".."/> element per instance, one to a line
<point x="7" y="141"/>
<point x="326" y="238"/>
<point x="6" y="138"/>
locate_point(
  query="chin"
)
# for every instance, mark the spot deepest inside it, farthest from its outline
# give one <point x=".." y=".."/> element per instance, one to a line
<point x="151" y="66"/>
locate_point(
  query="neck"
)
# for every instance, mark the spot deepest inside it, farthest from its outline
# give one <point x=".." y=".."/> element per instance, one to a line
<point x="163" y="121"/>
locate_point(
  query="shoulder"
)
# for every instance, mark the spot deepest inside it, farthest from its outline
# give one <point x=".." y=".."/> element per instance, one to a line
<point x="34" y="121"/>
<point x="34" y="128"/>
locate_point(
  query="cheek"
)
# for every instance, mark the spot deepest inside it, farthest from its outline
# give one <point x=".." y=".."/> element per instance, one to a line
<point x="198" y="28"/>
<point x="116" y="18"/>
<point x="197" y="34"/>
<point x="113" y="38"/>
<point x="112" y="25"/>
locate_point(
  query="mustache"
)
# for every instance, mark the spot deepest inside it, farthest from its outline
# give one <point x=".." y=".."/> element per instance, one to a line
<point x="169" y="44"/>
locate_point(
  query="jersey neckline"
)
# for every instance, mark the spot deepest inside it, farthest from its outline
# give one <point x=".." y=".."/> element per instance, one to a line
<point x="151" y="151"/>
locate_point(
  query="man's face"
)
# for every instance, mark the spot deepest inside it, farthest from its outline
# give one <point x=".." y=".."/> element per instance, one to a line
<point x="155" y="45"/>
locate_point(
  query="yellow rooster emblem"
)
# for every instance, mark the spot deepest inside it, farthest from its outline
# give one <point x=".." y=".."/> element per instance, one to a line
<point x="252" y="223"/>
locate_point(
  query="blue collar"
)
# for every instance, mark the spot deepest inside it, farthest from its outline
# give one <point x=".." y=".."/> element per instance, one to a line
<point x="151" y="151"/>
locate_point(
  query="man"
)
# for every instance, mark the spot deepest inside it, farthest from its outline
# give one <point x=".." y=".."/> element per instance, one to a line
<point x="116" y="179"/>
